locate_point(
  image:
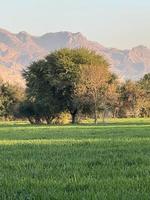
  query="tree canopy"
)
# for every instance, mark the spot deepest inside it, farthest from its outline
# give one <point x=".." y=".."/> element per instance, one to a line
<point x="77" y="82"/>
<point x="56" y="79"/>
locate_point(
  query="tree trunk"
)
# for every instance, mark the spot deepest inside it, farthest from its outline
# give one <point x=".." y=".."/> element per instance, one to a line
<point x="95" y="113"/>
<point x="95" y="117"/>
<point x="31" y="120"/>
<point x="49" y="120"/>
<point x="104" y="113"/>
<point x="37" y="120"/>
<point x="74" y="117"/>
<point x="114" y="114"/>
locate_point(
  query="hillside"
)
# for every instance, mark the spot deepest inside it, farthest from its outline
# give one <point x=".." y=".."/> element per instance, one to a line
<point x="18" y="50"/>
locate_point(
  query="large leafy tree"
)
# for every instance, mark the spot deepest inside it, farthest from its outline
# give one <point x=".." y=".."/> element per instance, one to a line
<point x="68" y="69"/>
<point x="54" y="82"/>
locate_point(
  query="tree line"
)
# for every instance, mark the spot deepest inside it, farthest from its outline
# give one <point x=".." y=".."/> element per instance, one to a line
<point x="74" y="81"/>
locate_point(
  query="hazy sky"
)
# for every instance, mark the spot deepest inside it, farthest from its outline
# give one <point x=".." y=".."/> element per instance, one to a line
<point x="113" y="23"/>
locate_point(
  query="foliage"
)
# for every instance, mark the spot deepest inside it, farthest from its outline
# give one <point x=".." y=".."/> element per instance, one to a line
<point x="10" y="96"/>
<point x="41" y="92"/>
<point x="144" y="84"/>
<point x="62" y="119"/>
<point x="54" y="81"/>
<point x="74" y="81"/>
<point x="99" y="90"/>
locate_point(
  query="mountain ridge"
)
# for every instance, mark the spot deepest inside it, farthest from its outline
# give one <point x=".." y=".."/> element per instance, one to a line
<point x="18" y="50"/>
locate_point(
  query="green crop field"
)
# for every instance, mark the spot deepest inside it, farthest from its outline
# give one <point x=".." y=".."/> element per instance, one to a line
<point x="83" y="162"/>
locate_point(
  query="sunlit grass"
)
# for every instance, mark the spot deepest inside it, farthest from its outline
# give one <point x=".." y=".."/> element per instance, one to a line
<point x="75" y="162"/>
<point x="75" y="141"/>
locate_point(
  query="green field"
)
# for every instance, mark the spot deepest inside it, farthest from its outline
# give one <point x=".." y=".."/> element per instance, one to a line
<point x="81" y="162"/>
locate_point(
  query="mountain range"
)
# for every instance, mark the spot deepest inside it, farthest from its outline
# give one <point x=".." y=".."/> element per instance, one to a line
<point x="17" y="51"/>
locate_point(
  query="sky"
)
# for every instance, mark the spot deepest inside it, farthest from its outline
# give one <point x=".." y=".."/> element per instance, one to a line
<point x="113" y="23"/>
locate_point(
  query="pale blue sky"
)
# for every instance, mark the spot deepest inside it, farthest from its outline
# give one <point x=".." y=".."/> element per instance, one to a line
<point x="113" y="23"/>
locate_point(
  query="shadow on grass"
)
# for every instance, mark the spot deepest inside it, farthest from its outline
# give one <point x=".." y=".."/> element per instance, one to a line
<point x="79" y="125"/>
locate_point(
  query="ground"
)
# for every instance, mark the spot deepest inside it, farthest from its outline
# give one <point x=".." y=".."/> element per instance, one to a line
<point x="83" y="162"/>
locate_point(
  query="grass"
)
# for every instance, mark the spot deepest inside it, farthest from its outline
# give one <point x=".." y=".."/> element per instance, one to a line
<point x="81" y="162"/>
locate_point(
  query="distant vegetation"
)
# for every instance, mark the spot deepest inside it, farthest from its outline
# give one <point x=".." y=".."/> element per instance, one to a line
<point x="77" y="82"/>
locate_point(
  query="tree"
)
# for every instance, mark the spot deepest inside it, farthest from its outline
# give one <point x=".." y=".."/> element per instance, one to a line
<point x="111" y="100"/>
<point x="75" y="63"/>
<point x="99" y="88"/>
<point x="9" y="97"/>
<point x="130" y="94"/>
<point x="144" y="102"/>
<point x="56" y="79"/>
<point x="145" y="83"/>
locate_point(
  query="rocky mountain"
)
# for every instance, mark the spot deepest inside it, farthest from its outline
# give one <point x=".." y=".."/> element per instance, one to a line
<point x="18" y="50"/>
